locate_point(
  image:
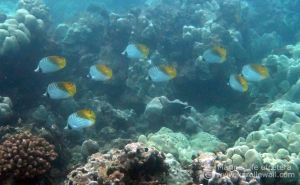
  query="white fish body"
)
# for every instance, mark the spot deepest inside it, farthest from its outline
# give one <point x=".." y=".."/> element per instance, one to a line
<point x="96" y="75"/>
<point x="210" y="57"/>
<point x="46" y="66"/>
<point x="250" y="74"/>
<point x="54" y="92"/>
<point x="76" y="122"/>
<point x="235" y="84"/>
<point x="157" y="75"/>
<point x="131" y="51"/>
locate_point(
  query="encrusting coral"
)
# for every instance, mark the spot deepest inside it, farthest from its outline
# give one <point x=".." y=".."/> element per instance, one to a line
<point x="24" y="155"/>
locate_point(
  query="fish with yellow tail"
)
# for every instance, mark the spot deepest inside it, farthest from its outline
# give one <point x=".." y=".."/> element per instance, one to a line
<point x="60" y="90"/>
<point x="255" y="72"/>
<point x="136" y="51"/>
<point x="51" y="64"/>
<point x="215" y="55"/>
<point x="238" y="82"/>
<point x="81" y="119"/>
<point x="100" y="72"/>
<point x="162" y="73"/>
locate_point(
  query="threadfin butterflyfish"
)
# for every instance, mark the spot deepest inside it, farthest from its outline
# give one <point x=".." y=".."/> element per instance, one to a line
<point x="61" y="90"/>
<point x="100" y="72"/>
<point x="51" y="64"/>
<point x="238" y="82"/>
<point x="81" y="119"/>
<point x="162" y="73"/>
<point x="217" y="54"/>
<point x="136" y="51"/>
<point x="255" y="72"/>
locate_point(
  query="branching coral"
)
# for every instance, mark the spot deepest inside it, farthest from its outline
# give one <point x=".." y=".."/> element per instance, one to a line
<point x="24" y="155"/>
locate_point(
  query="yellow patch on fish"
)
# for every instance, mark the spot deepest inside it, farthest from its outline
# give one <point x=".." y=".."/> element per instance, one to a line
<point x="87" y="114"/>
<point x="220" y="51"/>
<point x="243" y="82"/>
<point x="262" y="70"/>
<point x="105" y="70"/>
<point x="68" y="87"/>
<point x="58" y="60"/>
<point x="169" y="70"/>
<point x="144" y="49"/>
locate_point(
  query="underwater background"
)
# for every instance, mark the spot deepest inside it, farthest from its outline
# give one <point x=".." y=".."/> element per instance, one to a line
<point x="149" y="92"/>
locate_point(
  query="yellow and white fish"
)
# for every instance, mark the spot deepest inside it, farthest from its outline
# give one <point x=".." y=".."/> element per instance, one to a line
<point x="51" y="64"/>
<point x="255" y="72"/>
<point x="216" y="54"/>
<point x="60" y="90"/>
<point x="81" y="119"/>
<point x="136" y="51"/>
<point x="238" y="83"/>
<point x="100" y="72"/>
<point x="162" y="73"/>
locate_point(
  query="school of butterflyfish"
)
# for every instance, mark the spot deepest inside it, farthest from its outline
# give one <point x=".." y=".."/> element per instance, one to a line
<point x="157" y="73"/>
<point x="238" y="82"/>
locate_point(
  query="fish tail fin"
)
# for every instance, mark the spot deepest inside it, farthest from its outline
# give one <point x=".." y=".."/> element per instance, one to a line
<point x="68" y="127"/>
<point x="37" y="69"/>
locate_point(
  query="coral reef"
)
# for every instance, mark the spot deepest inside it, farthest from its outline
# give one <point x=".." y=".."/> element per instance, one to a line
<point x="176" y="174"/>
<point x="89" y="147"/>
<point x="268" y="114"/>
<point x="24" y="155"/>
<point x="274" y="148"/>
<point x="75" y="38"/>
<point x="5" y="107"/>
<point x="36" y="7"/>
<point x="16" y="32"/>
<point x="135" y="164"/>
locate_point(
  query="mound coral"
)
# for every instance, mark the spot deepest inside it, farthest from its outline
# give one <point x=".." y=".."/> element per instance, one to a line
<point x="24" y="155"/>
<point x="274" y="148"/>
<point x="135" y="164"/>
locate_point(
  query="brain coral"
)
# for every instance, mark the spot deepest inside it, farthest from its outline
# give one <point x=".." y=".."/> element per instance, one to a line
<point x="24" y="155"/>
